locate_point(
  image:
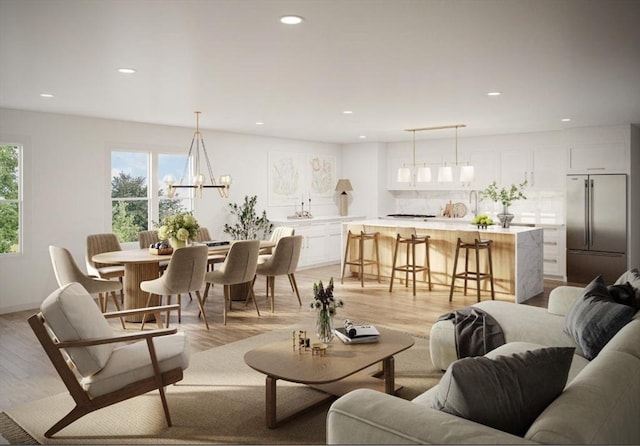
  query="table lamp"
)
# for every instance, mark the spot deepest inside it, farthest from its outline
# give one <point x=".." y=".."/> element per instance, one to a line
<point x="343" y="186"/>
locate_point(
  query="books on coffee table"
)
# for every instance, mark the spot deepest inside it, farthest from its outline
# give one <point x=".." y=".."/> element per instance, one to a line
<point x="357" y="333"/>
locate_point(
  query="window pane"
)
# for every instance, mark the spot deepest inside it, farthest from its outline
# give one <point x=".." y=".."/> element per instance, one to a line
<point x="129" y="174"/>
<point x="9" y="172"/>
<point x="173" y="165"/>
<point x="128" y="218"/>
<point x="9" y="227"/>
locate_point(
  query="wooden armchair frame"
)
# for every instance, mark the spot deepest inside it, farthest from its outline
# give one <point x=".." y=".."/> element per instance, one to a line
<point x="84" y="403"/>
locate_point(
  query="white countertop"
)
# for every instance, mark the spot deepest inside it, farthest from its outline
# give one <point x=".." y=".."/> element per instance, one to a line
<point x="450" y="225"/>
<point x="319" y="219"/>
<point x="537" y="222"/>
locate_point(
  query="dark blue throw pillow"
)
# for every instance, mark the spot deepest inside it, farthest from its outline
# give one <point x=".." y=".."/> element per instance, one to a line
<point x="594" y="318"/>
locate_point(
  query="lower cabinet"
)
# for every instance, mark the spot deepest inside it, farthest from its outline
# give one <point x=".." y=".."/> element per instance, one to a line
<point x="322" y="239"/>
<point x="554" y="252"/>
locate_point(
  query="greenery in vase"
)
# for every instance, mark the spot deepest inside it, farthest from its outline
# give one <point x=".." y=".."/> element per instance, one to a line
<point x="182" y="226"/>
<point x="248" y="225"/>
<point x="506" y="196"/>
<point x="323" y="299"/>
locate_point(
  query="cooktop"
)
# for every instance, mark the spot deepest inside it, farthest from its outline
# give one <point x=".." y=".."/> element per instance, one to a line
<point x="412" y="215"/>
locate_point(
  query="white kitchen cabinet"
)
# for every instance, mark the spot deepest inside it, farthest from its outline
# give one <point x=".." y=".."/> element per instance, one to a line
<point x="599" y="158"/>
<point x="321" y="239"/>
<point x="542" y="168"/>
<point x="554" y="243"/>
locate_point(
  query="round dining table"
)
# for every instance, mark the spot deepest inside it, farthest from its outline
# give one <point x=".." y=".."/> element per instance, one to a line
<point x="141" y="265"/>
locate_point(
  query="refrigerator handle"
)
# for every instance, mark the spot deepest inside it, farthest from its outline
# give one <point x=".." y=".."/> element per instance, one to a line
<point x="586" y="213"/>
<point x="591" y="232"/>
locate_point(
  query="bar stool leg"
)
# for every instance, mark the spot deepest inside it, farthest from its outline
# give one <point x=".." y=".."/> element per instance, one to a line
<point x="393" y="264"/>
<point x="361" y="259"/>
<point x="455" y="266"/>
<point x="413" y="266"/>
<point x="493" y="294"/>
<point x="466" y="268"/>
<point x="346" y="256"/>
<point x="428" y="262"/>
<point x="478" y="271"/>
<point x="377" y="256"/>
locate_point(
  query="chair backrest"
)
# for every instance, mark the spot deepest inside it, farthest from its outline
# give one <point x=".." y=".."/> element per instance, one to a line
<point x="147" y="238"/>
<point x="65" y="267"/>
<point x="71" y="314"/>
<point x="282" y="231"/>
<point x="186" y="269"/>
<point x="240" y="264"/>
<point x="284" y="259"/>
<point x="96" y="244"/>
<point x="405" y="232"/>
<point x="203" y="234"/>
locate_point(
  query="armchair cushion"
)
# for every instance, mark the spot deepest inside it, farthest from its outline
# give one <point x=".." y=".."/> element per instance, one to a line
<point x="131" y="363"/>
<point x="72" y="318"/>
<point x="508" y="392"/>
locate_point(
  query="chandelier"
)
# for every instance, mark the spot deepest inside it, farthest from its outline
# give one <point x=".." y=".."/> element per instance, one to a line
<point x="199" y="179"/>
<point x="445" y="172"/>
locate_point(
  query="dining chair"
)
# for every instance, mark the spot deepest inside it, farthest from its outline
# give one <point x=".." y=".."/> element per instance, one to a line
<point x="99" y="243"/>
<point x="148" y="238"/>
<point x="239" y="267"/>
<point x="67" y="271"/>
<point x="184" y="274"/>
<point x="283" y="261"/>
<point x="277" y="234"/>
<point x="92" y="361"/>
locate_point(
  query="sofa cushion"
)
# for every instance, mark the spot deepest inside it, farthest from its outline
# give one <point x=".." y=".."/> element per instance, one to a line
<point x="508" y="392"/>
<point x="594" y="318"/>
<point x="72" y="315"/>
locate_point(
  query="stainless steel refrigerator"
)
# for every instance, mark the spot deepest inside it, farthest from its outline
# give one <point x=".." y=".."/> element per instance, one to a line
<point x="596" y="227"/>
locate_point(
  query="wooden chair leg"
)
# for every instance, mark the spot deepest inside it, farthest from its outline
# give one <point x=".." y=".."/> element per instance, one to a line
<point x="393" y="264"/>
<point x="292" y="279"/>
<point x="115" y="301"/>
<point x="144" y="316"/>
<point x="224" y="306"/>
<point x="453" y="275"/>
<point x="200" y="300"/>
<point x="251" y="295"/>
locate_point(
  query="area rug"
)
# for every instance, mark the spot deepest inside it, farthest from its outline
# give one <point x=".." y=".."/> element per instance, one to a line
<point x="220" y="400"/>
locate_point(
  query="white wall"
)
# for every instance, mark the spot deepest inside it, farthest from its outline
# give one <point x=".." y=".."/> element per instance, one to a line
<point x="67" y="185"/>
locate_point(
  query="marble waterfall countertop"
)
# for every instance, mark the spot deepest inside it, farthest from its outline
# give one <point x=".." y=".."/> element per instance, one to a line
<point x="445" y="224"/>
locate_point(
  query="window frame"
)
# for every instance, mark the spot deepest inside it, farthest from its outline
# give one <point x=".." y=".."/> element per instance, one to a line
<point x="20" y="200"/>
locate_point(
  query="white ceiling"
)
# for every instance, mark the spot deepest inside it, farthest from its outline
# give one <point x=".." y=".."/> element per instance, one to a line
<point x="396" y="64"/>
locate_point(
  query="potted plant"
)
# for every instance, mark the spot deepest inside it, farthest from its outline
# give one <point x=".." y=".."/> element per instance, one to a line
<point x="505" y="196"/>
<point x="248" y="225"/>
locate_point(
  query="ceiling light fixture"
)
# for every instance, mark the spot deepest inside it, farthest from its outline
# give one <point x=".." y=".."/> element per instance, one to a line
<point x="348" y="112"/>
<point x="46" y="95"/>
<point x="291" y="19"/>
<point x="222" y="184"/>
<point x="126" y="70"/>
<point x="494" y="93"/>
<point x="566" y="120"/>
<point x="445" y="172"/>
<point x="259" y="123"/>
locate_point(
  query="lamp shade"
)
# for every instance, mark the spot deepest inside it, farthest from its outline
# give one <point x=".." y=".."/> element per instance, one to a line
<point x="344" y="185"/>
<point x="404" y="175"/>
<point x="424" y="175"/>
<point x="466" y="174"/>
<point x="445" y="174"/>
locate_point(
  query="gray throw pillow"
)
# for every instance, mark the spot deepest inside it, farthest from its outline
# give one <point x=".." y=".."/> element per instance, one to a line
<point x="594" y="318"/>
<point x="506" y="393"/>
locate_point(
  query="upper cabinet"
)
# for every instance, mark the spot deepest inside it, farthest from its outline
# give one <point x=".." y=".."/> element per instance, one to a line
<point x="599" y="158"/>
<point x="542" y="168"/>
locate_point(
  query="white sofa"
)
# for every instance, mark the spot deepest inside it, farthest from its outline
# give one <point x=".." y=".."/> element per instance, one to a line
<point x="599" y="405"/>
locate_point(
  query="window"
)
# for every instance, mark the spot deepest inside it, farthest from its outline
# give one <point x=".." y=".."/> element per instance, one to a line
<point x="10" y="198"/>
<point x="134" y="207"/>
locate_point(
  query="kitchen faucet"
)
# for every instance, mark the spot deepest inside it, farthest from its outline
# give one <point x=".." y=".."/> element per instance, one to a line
<point x="474" y="210"/>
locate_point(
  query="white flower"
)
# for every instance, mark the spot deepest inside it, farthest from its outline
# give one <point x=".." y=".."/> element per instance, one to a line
<point x="182" y="234"/>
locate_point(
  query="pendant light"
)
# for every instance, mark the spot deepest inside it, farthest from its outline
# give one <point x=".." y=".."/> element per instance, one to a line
<point x="199" y="179"/>
<point x="423" y="173"/>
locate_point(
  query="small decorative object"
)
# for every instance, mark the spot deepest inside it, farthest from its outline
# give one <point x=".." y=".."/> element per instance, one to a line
<point x="318" y="348"/>
<point x="302" y="343"/>
<point x="248" y="225"/>
<point x="506" y="197"/>
<point x="178" y="229"/>
<point x="325" y="305"/>
<point x="160" y="248"/>
<point x="344" y="186"/>
<point x="482" y="221"/>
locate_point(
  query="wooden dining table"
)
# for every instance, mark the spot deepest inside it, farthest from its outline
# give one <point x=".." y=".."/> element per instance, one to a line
<point x="141" y="265"/>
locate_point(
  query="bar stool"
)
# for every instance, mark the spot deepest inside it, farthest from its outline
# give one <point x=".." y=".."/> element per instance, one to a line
<point x="477" y="245"/>
<point x="361" y="261"/>
<point x="409" y="238"/>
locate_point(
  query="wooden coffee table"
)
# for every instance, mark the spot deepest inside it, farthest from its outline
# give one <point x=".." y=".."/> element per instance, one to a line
<point x="335" y="373"/>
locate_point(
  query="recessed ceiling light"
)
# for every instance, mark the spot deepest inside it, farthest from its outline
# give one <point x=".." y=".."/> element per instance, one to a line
<point x="347" y="112"/>
<point x="46" y="95"/>
<point x="291" y="19"/>
<point x="126" y="70"/>
<point x="566" y="120"/>
<point x="494" y="93"/>
<point x="259" y="123"/>
<point x="363" y="136"/>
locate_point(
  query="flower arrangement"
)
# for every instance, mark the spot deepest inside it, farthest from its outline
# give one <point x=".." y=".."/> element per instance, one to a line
<point x="323" y="298"/>
<point x="504" y="195"/>
<point x="182" y="226"/>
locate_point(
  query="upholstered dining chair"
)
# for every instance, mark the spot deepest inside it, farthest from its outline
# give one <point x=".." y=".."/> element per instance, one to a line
<point x="277" y="234"/>
<point x="148" y="238"/>
<point x="184" y="274"/>
<point x="283" y="261"/>
<point x="97" y="369"/>
<point x="239" y="267"/>
<point x="67" y="271"/>
<point x="99" y="243"/>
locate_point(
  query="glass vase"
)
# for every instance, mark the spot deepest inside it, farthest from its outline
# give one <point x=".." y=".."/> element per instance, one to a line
<point x="505" y="217"/>
<point x="324" y="326"/>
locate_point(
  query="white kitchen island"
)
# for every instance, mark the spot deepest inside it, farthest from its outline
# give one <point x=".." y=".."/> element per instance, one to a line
<point x="517" y="253"/>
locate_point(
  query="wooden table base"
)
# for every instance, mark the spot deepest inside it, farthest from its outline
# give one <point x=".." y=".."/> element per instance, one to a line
<point x="134" y="297"/>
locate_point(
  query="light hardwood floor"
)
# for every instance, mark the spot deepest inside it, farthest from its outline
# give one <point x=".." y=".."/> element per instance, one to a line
<point x="26" y="373"/>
